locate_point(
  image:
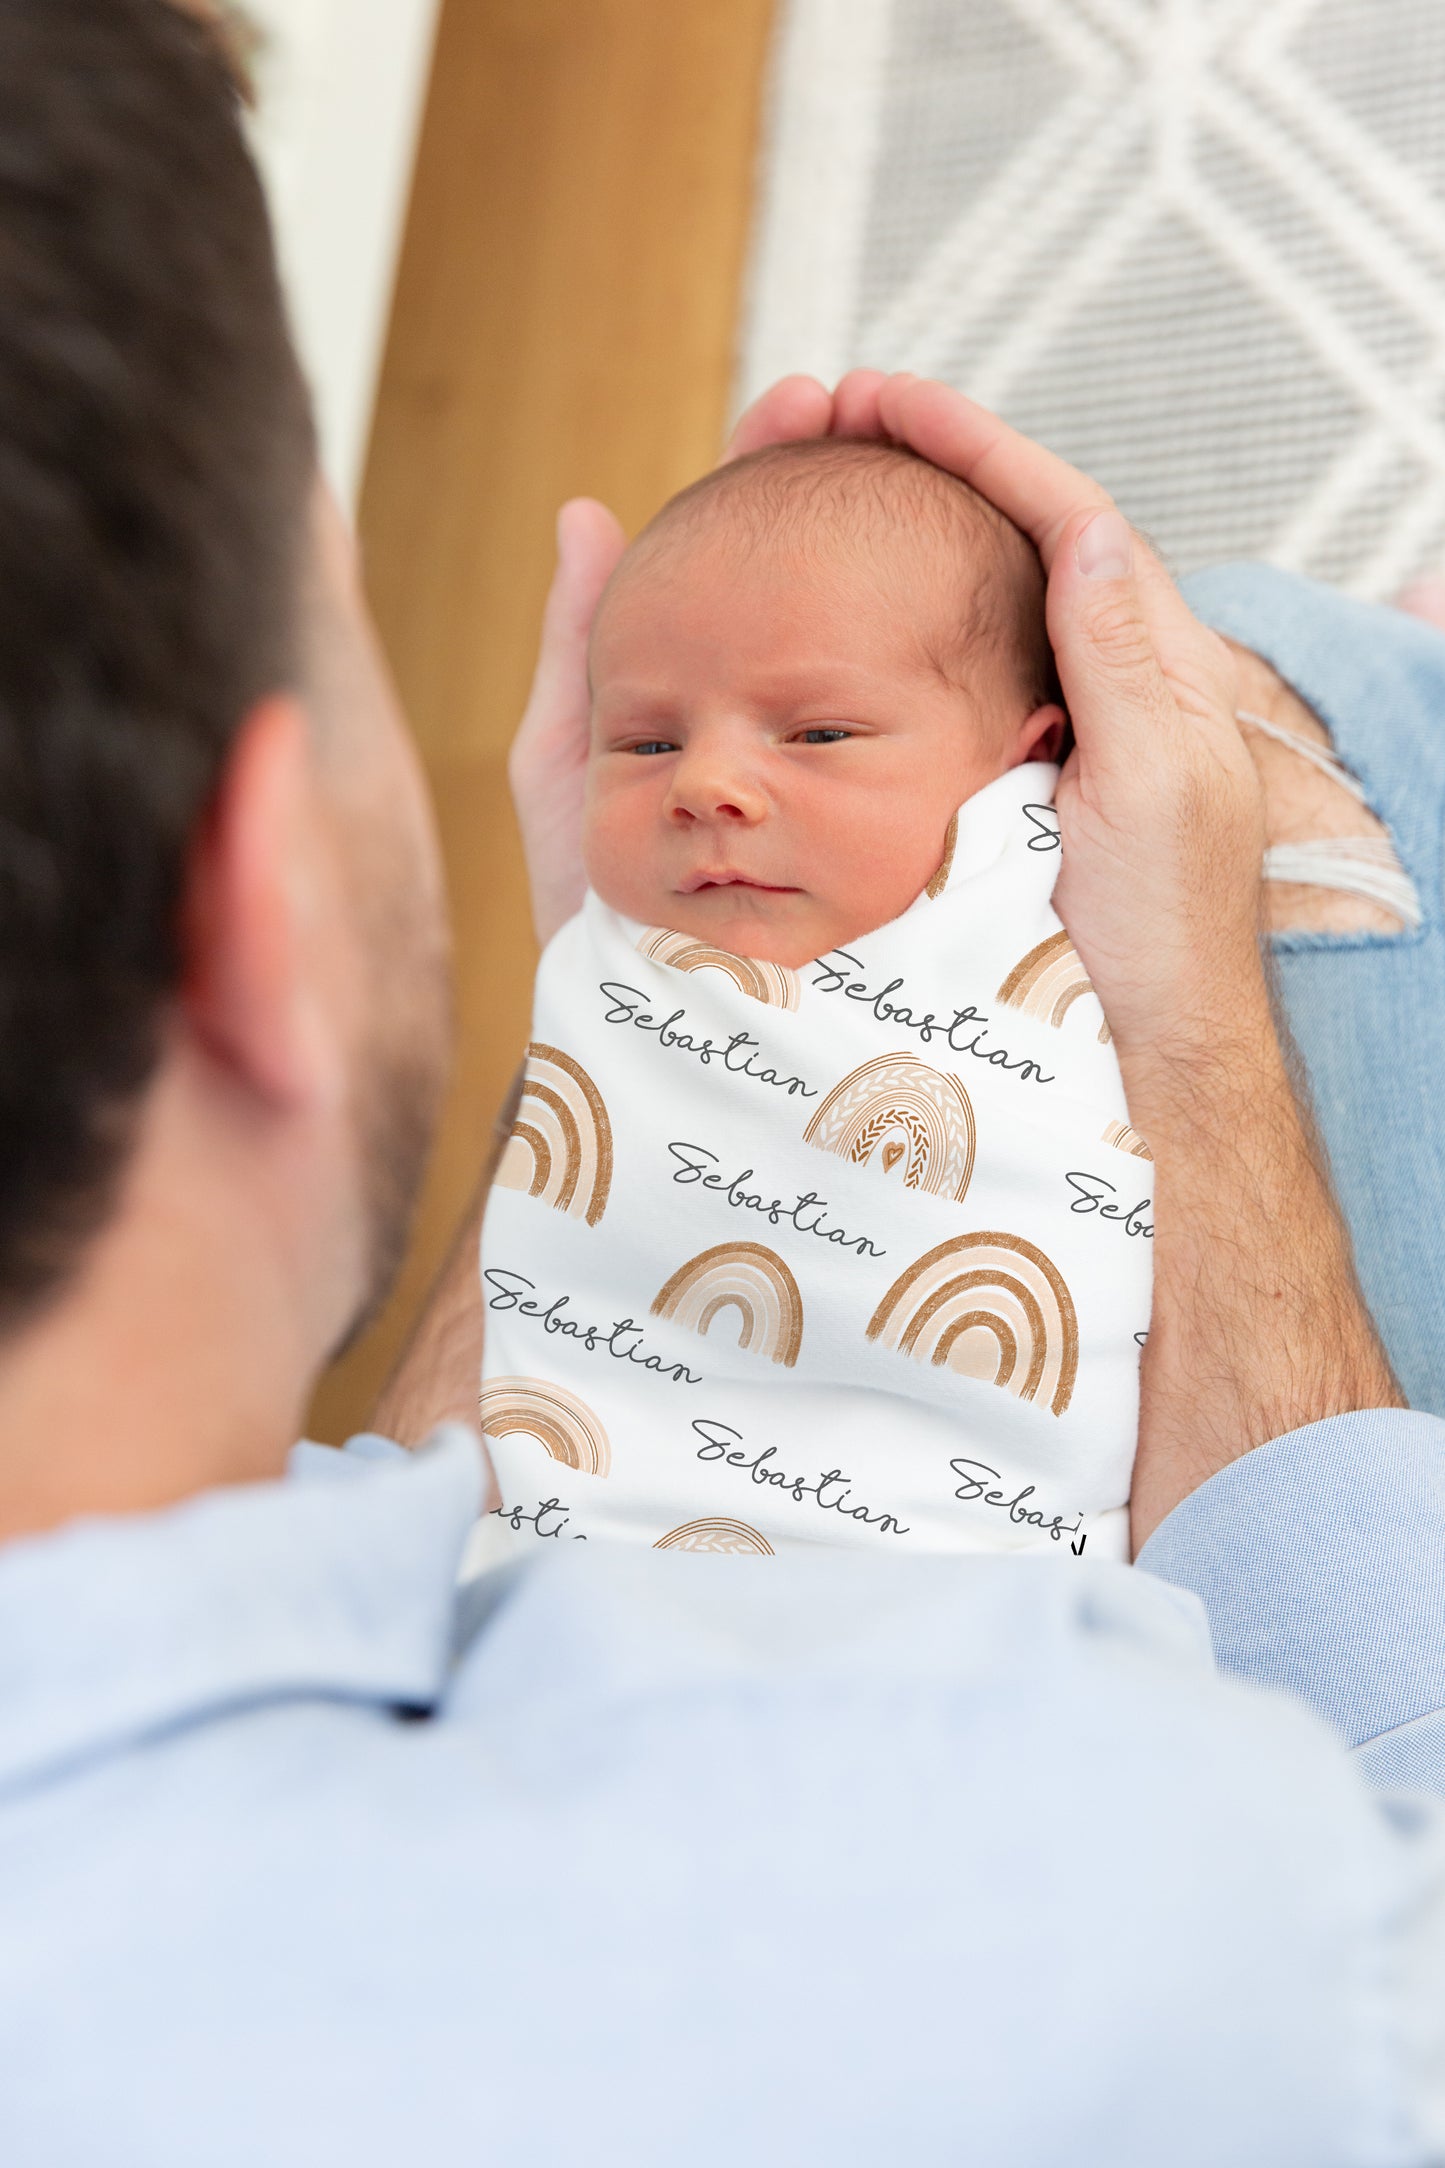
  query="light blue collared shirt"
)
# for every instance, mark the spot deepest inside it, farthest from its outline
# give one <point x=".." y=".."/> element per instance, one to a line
<point x="648" y="1858"/>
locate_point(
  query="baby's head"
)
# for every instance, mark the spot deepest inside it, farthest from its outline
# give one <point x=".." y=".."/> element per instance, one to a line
<point x="800" y="670"/>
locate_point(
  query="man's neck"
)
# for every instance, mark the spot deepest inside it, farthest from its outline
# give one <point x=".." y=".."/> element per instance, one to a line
<point x="178" y="1356"/>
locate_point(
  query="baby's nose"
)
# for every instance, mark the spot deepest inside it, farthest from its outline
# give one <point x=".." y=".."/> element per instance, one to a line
<point x="714" y="789"/>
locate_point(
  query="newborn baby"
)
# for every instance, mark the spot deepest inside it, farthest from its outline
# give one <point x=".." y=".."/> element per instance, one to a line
<point x="821" y="1220"/>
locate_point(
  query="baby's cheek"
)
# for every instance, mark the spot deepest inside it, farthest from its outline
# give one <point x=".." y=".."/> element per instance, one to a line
<point x="885" y="863"/>
<point x="616" y="857"/>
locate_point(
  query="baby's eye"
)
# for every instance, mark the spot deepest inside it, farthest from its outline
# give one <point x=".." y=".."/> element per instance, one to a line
<point x="653" y="745"/>
<point x="825" y="734"/>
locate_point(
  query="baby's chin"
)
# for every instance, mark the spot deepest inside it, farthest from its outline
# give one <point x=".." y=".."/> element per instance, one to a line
<point x="790" y="930"/>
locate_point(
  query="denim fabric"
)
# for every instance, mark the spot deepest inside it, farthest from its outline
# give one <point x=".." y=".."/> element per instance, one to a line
<point x="1367" y="1011"/>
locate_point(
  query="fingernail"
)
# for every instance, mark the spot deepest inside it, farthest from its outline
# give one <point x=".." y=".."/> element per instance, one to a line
<point x="1105" y="548"/>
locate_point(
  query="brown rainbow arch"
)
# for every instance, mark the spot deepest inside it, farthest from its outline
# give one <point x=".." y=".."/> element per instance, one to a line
<point x="733" y="1539"/>
<point x="779" y="987"/>
<point x="950" y="844"/>
<point x="991" y="1307"/>
<point x="557" y="1419"/>
<point x="560" y="1148"/>
<point x="1048" y="981"/>
<point x="741" y="1276"/>
<point x="895" y="1111"/>
<point x="1124" y="1138"/>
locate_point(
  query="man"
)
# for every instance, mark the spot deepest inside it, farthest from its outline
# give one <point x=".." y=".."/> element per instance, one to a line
<point x="628" y="1859"/>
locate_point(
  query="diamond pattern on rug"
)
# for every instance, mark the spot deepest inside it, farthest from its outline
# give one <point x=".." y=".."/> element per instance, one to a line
<point x="1197" y="246"/>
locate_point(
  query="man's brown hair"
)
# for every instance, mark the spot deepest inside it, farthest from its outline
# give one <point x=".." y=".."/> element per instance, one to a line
<point x="156" y="454"/>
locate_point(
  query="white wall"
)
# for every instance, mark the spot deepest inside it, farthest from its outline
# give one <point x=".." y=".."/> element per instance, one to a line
<point x="341" y="87"/>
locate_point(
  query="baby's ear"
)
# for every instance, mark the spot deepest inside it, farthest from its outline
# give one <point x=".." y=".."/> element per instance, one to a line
<point x="1042" y="736"/>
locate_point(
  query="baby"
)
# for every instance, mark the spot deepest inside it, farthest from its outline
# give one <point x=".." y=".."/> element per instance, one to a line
<point x="821" y="1219"/>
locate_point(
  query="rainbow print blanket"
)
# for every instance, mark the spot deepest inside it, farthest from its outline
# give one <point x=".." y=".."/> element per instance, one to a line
<point x="854" y="1254"/>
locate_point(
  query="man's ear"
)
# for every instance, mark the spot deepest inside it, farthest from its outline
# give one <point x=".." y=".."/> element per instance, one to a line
<point x="1042" y="736"/>
<point x="252" y="886"/>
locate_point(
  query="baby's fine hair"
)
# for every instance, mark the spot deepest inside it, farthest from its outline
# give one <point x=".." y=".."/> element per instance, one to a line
<point x="884" y="492"/>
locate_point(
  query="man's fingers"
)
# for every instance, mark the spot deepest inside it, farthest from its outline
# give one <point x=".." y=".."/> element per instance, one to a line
<point x="1039" y="492"/>
<point x="798" y="408"/>
<point x="589" y="543"/>
<point x="795" y="408"/>
<point x="549" y="752"/>
<point x="1032" y="487"/>
<point x="855" y="404"/>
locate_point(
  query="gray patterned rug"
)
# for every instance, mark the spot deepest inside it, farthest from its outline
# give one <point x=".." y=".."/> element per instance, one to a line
<point x="1198" y="246"/>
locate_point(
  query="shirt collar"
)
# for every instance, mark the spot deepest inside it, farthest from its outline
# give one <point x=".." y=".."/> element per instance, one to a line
<point x="112" y="1629"/>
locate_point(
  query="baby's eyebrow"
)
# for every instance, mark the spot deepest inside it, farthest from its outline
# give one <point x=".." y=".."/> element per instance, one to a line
<point x="642" y="698"/>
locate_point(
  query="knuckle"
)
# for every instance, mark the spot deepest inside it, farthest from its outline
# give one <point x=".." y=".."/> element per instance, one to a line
<point x="1117" y="634"/>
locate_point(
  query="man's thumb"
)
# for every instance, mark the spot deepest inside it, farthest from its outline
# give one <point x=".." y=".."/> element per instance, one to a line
<point x="589" y="544"/>
<point x="1107" y="665"/>
<point x="1104" y="546"/>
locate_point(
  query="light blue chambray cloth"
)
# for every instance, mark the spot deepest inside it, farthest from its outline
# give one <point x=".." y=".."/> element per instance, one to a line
<point x="793" y="1861"/>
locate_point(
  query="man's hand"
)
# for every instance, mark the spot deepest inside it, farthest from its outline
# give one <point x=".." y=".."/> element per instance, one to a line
<point x="1159" y="804"/>
<point x="1258" y="1323"/>
<point x="548" y="760"/>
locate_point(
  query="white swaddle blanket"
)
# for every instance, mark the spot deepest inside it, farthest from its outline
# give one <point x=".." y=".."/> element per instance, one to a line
<point x="858" y="1253"/>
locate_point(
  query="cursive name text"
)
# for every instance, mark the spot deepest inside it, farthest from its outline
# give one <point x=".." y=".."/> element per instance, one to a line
<point x="1093" y="1194"/>
<point x="830" y="1492"/>
<point x="964" y="1032"/>
<point x="622" y="1339"/>
<point x="973" y="1490"/>
<point x="550" y="1519"/>
<point x="739" y="1054"/>
<point x="1045" y="824"/>
<point x="807" y="1212"/>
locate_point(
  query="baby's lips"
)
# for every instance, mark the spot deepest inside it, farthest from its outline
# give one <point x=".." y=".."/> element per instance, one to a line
<point x="728" y="879"/>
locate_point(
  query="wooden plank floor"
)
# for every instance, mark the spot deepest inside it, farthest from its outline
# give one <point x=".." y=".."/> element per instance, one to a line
<point x="564" y="325"/>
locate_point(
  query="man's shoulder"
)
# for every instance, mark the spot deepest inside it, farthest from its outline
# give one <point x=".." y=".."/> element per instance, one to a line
<point x="775" y="1849"/>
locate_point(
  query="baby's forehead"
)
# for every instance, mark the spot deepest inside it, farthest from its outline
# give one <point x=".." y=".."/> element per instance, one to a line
<point x="948" y="567"/>
<point x="838" y="497"/>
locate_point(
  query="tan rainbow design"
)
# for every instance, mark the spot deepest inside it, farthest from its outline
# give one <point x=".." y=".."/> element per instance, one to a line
<point x="772" y="983"/>
<point x="1048" y="981"/>
<point x="733" y="1538"/>
<point x="1125" y="1139"/>
<point x="556" y="1418"/>
<point x="991" y="1307"/>
<point x="896" y="1111"/>
<point x="742" y="1276"/>
<point x="560" y="1148"/>
<point x="950" y="844"/>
